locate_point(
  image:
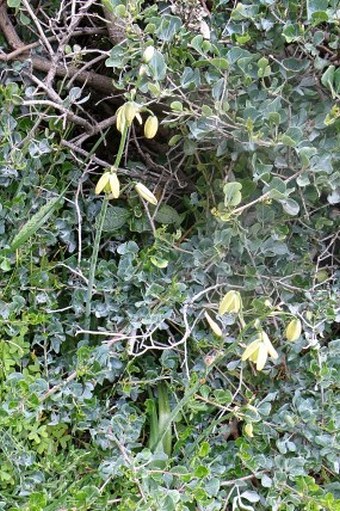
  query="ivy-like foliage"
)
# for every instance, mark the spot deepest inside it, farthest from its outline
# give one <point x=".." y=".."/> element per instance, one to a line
<point x="169" y="250"/>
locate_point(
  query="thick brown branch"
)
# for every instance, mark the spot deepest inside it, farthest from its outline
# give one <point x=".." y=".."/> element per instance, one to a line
<point x="115" y="26"/>
<point x="89" y="78"/>
<point x="94" y="80"/>
<point x="8" y="29"/>
<point x="25" y="48"/>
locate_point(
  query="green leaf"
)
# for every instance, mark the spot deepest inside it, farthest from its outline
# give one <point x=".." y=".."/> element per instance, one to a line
<point x="331" y="80"/>
<point x="115" y="218"/>
<point x="167" y="215"/>
<point x="158" y="66"/>
<point x="290" y="206"/>
<point x="177" y="106"/>
<point x="169" y="27"/>
<point x="316" y="8"/>
<point x="204" y="449"/>
<point x="35" y="223"/>
<point x="117" y="57"/>
<point x="14" y="3"/>
<point x="190" y="77"/>
<point x="201" y="471"/>
<point x="232" y="194"/>
<point x="220" y="63"/>
<point x="159" y="262"/>
<point x="292" y="32"/>
<point x="287" y="140"/>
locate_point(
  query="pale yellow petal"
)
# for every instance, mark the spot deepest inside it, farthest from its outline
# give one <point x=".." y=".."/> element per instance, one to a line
<point x="261" y="357"/>
<point x="253" y="357"/>
<point x="130" y="111"/>
<point x="120" y="119"/>
<point x="230" y="303"/>
<point x="270" y="348"/>
<point x="248" y="352"/>
<point x="293" y="330"/>
<point x="104" y="179"/>
<point x="114" y="185"/>
<point x="146" y="194"/>
<point x="213" y="325"/>
<point x="139" y="118"/>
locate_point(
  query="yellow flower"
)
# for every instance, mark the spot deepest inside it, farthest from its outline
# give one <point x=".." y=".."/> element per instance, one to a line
<point x="151" y="126"/>
<point x="213" y="325"/>
<point x="108" y="182"/>
<point x="126" y="114"/>
<point x="230" y="303"/>
<point x="258" y="351"/>
<point x="293" y="330"/>
<point x="130" y="111"/>
<point x="145" y="193"/>
<point x="103" y="181"/>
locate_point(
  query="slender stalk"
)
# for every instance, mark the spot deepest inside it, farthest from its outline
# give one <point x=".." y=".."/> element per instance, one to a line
<point x="94" y="257"/>
<point x="93" y="265"/>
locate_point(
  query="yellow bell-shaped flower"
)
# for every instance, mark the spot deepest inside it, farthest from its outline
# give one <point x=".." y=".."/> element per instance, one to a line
<point x="231" y="303"/>
<point x="259" y="350"/>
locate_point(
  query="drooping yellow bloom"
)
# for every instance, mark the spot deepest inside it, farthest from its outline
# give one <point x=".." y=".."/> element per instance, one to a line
<point x="126" y="114"/>
<point x="130" y="110"/>
<point x="213" y="325"/>
<point x="259" y="350"/>
<point x="103" y="181"/>
<point x="293" y="330"/>
<point x="108" y="182"/>
<point x="231" y="303"/>
<point x="146" y="194"/>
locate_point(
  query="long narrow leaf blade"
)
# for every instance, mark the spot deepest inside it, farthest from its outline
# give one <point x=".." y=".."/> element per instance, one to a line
<point x="35" y="223"/>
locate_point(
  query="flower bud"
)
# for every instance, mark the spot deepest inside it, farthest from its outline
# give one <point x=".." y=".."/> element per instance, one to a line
<point x="231" y="303"/>
<point x="293" y="330"/>
<point x="145" y="193"/>
<point x="142" y="70"/>
<point x="213" y="325"/>
<point x="248" y="429"/>
<point x="148" y="54"/>
<point x="151" y="126"/>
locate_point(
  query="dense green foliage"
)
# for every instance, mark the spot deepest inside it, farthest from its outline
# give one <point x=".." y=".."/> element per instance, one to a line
<point x="125" y="396"/>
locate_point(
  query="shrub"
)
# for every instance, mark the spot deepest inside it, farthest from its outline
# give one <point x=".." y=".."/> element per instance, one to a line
<point x="169" y="254"/>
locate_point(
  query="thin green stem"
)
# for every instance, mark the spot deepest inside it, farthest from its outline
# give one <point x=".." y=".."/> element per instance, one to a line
<point x="94" y="257"/>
